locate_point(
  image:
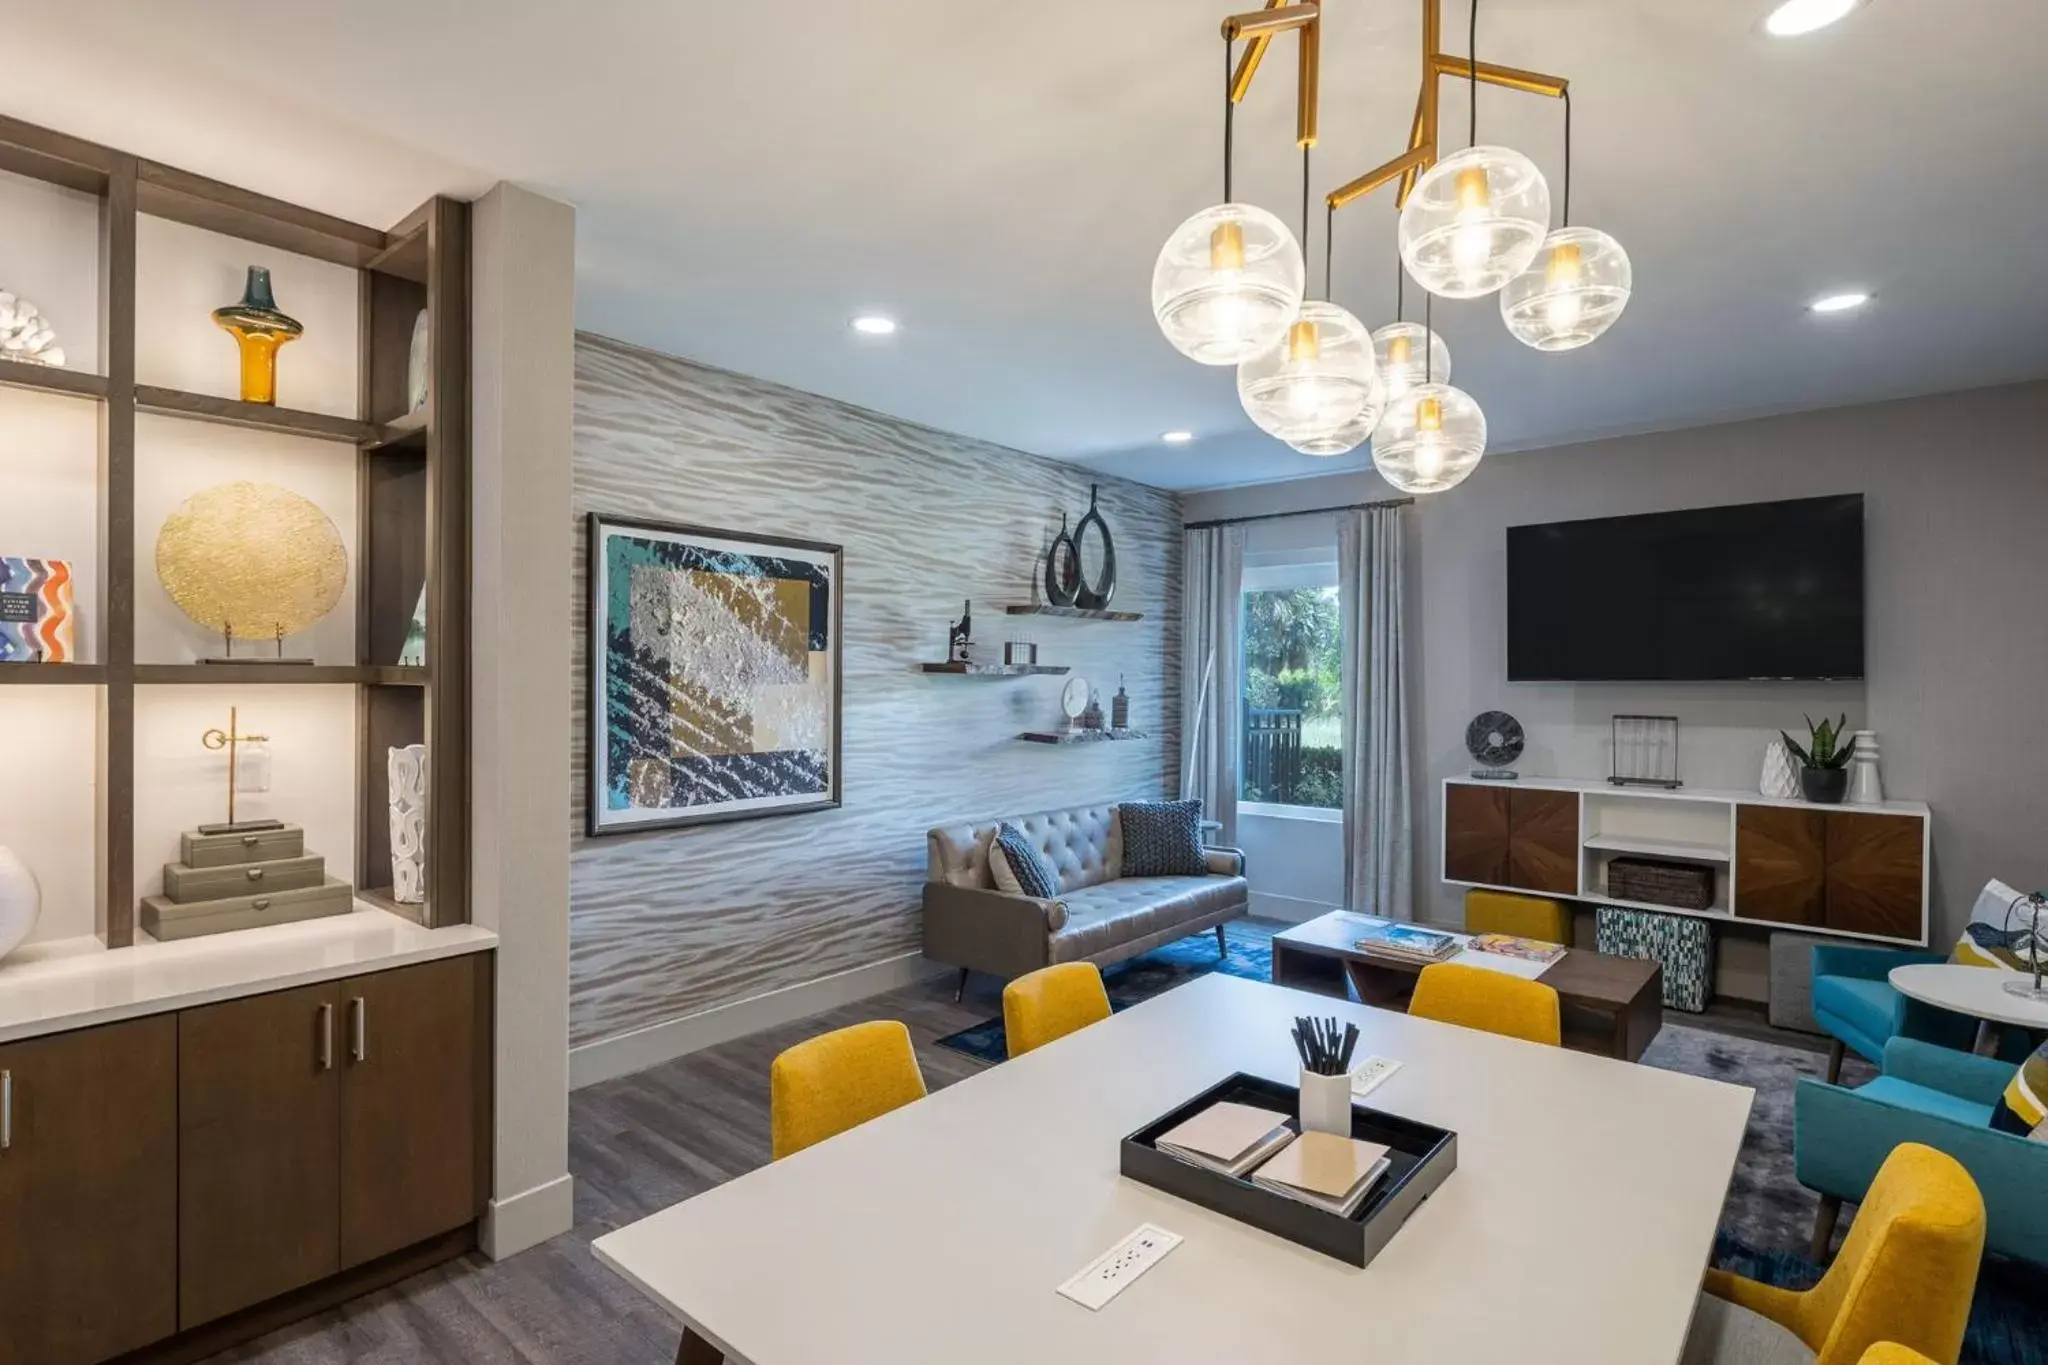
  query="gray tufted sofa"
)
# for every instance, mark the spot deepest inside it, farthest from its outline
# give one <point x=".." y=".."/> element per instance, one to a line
<point x="1099" y="916"/>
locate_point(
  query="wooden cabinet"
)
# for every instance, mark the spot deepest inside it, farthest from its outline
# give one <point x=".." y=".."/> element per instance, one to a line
<point x="1476" y="834"/>
<point x="258" y="1137"/>
<point x="1780" y="864"/>
<point x="1543" y="841"/>
<point x="412" y="1106"/>
<point x="323" y="1127"/>
<point x="1854" y="872"/>
<point x="1496" y="835"/>
<point x="88" y="1193"/>
<point x="1874" y="873"/>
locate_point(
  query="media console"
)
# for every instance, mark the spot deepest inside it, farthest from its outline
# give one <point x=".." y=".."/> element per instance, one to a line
<point x="1853" y="871"/>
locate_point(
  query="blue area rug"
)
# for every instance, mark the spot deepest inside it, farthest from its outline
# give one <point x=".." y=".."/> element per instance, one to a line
<point x="1250" y="956"/>
<point x="2007" y="1324"/>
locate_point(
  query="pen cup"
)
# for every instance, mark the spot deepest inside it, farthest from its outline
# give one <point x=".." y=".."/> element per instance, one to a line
<point x="1326" y="1103"/>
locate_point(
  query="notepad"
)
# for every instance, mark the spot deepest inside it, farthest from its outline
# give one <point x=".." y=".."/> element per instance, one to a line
<point x="1332" y="1173"/>
<point x="1228" y="1137"/>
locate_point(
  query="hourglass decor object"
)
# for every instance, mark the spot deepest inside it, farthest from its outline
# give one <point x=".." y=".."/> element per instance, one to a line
<point x="258" y="329"/>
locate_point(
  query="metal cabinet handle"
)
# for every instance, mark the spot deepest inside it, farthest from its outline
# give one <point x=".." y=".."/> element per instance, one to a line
<point x="359" y="1029"/>
<point x="255" y="874"/>
<point x="326" y="1036"/>
<point x="261" y="903"/>
<point x="6" y="1110"/>
<point x="250" y="841"/>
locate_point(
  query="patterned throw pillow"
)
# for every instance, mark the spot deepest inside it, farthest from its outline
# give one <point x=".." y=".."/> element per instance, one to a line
<point x="1162" y="838"/>
<point x="1031" y="874"/>
<point x="2024" y="1109"/>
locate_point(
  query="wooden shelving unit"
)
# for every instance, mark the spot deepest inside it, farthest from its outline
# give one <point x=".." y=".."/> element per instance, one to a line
<point x="1074" y="613"/>
<point x="413" y="500"/>
<point x="994" y="670"/>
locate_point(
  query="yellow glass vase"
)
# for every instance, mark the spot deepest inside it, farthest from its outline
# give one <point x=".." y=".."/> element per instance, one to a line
<point x="258" y="329"/>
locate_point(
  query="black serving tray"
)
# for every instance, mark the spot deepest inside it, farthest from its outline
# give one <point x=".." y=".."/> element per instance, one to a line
<point x="1421" y="1156"/>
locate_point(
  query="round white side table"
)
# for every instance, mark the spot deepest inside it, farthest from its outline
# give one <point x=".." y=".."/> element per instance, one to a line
<point x="1976" y="991"/>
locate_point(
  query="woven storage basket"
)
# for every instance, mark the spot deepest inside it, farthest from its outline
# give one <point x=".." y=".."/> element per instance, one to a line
<point x="1679" y="885"/>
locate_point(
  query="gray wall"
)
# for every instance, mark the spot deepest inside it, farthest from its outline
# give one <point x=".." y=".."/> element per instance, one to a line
<point x="664" y="925"/>
<point x="1956" y="496"/>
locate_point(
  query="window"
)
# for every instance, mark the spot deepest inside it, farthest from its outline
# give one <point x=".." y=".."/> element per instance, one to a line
<point x="1293" y="754"/>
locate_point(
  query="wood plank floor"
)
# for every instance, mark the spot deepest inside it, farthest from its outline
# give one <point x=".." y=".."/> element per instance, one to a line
<point x="636" y="1145"/>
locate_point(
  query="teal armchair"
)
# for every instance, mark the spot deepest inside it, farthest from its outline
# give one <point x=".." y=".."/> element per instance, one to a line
<point x="1857" y="1007"/>
<point x="1933" y="1095"/>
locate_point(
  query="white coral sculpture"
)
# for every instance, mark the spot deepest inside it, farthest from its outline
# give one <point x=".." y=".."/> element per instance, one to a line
<point x="26" y="334"/>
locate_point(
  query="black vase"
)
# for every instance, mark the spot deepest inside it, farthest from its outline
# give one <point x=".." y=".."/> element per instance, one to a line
<point x="1092" y="535"/>
<point x="1062" y="569"/>
<point x="1825" y="785"/>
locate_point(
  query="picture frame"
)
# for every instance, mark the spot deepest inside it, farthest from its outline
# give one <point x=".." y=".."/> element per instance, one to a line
<point x="715" y="668"/>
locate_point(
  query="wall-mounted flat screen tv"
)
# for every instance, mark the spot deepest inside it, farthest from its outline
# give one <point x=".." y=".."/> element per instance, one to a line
<point x="1764" y="590"/>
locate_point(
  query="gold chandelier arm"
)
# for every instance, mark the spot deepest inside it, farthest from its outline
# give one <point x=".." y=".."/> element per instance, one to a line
<point x="1416" y="139"/>
<point x="1260" y="26"/>
<point x="1414" y="159"/>
<point x="1248" y="65"/>
<point x="1514" y="78"/>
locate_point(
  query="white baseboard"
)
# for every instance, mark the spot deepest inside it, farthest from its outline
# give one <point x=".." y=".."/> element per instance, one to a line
<point x="623" y="1054"/>
<point x="1291" y="909"/>
<point x="528" y="1218"/>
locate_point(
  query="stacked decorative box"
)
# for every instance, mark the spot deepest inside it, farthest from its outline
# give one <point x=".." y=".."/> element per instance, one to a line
<point x="1682" y="945"/>
<point x="243" y="879"/>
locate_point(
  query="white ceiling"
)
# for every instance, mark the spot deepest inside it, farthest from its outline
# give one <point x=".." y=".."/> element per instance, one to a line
<point x="1000" y="176"/>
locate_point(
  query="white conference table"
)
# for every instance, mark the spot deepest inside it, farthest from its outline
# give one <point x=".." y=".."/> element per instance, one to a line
<point x="1573" y="1232"/>
<point x="1976" y="991"/>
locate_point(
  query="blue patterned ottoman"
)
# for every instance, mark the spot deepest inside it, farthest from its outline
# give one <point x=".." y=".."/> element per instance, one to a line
<point x="1682" y="945"/>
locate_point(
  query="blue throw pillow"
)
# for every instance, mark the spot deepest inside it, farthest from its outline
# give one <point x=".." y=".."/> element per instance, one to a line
<point x="1162" y="839"/>
<point x="1035" y="876"/>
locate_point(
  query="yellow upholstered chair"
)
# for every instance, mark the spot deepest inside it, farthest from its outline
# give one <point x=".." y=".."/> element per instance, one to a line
<point x="1906" y="1274"/>
<point x="840" y="1080"/>
<point x="1891" y="1353"/>
<point x="1503" y="912"/>
<point x="1494" y="1001"/>
<point x="1052" y="1002"/>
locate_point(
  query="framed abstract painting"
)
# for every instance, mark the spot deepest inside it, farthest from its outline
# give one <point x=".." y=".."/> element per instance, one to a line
<point x="714" y="675"/>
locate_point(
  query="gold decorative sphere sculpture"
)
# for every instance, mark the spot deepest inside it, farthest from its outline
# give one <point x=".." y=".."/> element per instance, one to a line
<point x="251" y="561"/>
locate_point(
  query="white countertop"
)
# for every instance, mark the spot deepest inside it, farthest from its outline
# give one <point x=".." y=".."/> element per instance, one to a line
<point x="1602" y="787"/>
<point x="1573" y="1231"/>
<point x="76" y="983"/>
<point x="1976" y="991"/>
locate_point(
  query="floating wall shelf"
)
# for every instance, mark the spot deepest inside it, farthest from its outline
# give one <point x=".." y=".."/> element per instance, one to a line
<point x="1078" y="613"/>
<point x="1080" y="736"/>
<point x="230" y="412"/>
<point x="52" y="379"/>
<point x="994" y="670"/>
<point x="52" y="675"/>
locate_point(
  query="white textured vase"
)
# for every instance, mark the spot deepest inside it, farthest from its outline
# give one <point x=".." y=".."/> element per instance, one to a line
<point x="1866" y="787"/>
<point x="21" y="901"/>
<point x="1781" y="777"/>
<point x="406" y="773"/>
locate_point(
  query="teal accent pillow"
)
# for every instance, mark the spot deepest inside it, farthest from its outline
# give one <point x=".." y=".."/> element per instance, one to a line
<point x="1162" y="838"/>
<point x="1035" y="876"/>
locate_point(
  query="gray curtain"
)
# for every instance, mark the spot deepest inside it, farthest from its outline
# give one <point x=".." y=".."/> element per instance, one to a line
<point x="1212" y="628"/>
<point x="1370" y="594"/>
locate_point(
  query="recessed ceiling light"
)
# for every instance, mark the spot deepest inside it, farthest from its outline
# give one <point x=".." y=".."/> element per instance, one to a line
<point x="1795" y="17"/>
<point x="874" y="324"/>
<point x="1839" y="303"/>
<point x="1176" y="438"/>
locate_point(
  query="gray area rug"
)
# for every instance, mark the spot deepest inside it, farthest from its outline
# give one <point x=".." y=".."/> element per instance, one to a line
<point x="1766" y="1206"/>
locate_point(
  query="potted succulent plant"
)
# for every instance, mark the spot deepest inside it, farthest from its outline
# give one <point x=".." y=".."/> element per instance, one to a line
<point x="1823" y="760"/>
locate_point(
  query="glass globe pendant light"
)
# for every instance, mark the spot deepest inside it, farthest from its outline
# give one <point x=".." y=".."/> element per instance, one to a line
<point x="1577" y="285"/>
<point x="1474" y="222"/>
<point x="1227" y="284"/>
<point x="1322" y="374"/>
<point x="1430" y="440"/>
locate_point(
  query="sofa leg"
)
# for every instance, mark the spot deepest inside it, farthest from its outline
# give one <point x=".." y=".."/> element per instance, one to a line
<point x="1835" y="1055"/>
<point x="1222" y="945"/>
<point x="960" y="986"/>
<point x="1824" y="1219"/>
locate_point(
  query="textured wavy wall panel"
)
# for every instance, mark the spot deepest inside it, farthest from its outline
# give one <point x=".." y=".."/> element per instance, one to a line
<point x="668" y="924"/>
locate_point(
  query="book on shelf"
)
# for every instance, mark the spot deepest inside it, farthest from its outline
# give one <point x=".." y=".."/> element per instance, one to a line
<point x="1513" y="945"/>
<point x="1229" y="1138"/>
<point x="1325" y="1171"/>
<point x="1409" y="943"/>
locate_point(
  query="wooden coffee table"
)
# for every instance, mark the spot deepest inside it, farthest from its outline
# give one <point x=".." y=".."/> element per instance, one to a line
<point x="1610" y="1005"/>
